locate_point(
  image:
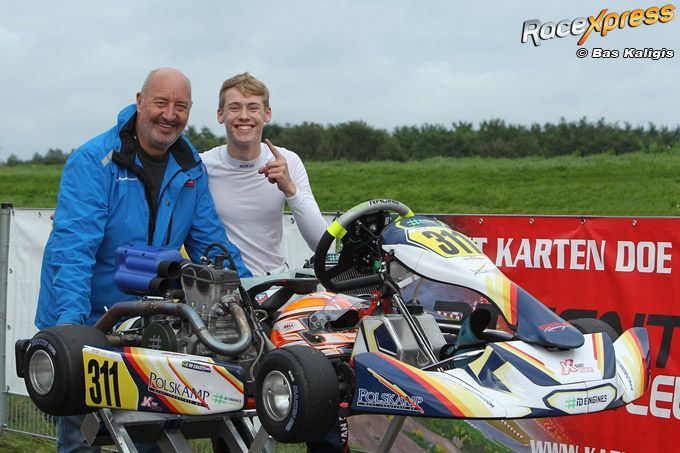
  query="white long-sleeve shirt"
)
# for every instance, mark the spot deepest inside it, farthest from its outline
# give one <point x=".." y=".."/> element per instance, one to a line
<point x="251" y="208"/>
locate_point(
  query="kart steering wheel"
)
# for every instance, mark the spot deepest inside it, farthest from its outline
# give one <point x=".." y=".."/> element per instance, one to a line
<point x="337" y="230"/>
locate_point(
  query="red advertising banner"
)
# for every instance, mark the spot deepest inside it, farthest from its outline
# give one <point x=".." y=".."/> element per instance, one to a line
<point x="620" y="270"/>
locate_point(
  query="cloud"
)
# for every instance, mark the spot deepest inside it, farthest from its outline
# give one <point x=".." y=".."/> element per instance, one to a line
<point x="69" y="67"/>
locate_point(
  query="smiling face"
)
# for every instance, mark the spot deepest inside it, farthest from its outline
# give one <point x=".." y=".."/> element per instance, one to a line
<point x="163" y="108"/>
<point x="243" y="116"/>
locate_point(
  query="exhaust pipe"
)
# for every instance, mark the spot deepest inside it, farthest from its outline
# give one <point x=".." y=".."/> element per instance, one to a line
<point x="181" y="310"/>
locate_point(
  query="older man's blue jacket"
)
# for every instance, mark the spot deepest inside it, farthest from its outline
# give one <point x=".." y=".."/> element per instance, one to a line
<point x="102" y="205"/>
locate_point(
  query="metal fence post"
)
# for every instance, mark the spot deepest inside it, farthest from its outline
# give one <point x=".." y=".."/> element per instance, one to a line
<point x="5" y="217"/>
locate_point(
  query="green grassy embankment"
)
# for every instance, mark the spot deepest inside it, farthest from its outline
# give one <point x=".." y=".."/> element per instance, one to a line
<point x="632" y="184"/>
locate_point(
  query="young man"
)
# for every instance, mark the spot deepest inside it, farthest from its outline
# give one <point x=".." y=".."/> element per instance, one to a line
<point x="251" y="181"/>
<point x="139" y="182"/>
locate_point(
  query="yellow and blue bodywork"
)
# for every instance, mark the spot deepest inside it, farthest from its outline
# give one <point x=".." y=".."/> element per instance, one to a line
<point x="148" y="380"/>
<point x="511" y="379"/>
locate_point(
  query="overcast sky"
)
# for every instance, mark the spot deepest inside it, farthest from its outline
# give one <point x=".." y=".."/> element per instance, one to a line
<point x="68" y="67"/>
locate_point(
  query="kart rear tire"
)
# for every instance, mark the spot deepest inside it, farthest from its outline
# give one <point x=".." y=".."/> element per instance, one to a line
<point x="594" y="325"/>
<point x="297" y="394"/>
<point x="58" y="351"/>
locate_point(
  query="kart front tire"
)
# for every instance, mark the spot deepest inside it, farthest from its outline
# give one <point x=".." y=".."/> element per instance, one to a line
<point x="594" y="325"/>
<point x="53" y="368"/>
<point x="297" y="394"/>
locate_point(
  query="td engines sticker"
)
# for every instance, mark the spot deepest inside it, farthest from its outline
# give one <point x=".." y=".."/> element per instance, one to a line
<point x="582" y="401"/>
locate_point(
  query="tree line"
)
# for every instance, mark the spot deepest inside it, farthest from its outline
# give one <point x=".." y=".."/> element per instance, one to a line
<point x="356" y="140"/>
<point x="53" y="156"/>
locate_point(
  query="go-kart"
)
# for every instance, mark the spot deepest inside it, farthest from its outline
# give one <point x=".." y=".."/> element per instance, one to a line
<point x="388" y="336"/>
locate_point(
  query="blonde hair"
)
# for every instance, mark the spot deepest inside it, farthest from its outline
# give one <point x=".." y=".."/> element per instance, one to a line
<point x="247" y="85"/>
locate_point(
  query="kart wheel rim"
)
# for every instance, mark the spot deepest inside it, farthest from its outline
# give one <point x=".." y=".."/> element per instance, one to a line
<point x="277" y="395"/>
<point x="41" y="372"/>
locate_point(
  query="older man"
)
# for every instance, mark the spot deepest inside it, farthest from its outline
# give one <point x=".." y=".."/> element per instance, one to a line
<point x="139" y="182"/>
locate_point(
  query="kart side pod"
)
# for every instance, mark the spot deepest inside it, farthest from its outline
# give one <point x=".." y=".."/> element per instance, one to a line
<point x="65" y="375"/>
<point x="391" y="335"/>
<point x="160" y="381"/>
<point x="511" y="379"/>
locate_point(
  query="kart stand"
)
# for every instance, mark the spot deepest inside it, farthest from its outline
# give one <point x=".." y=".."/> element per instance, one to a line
<point x="391" y="434"/>
<point x="170" y="432"/>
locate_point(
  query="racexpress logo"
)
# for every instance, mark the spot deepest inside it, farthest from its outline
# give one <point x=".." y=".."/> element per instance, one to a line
<point x="603" y="23"/>
<point x="177" y="390"/>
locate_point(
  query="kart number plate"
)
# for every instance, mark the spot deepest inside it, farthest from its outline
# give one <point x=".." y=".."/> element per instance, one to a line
<point x="445" y="242"/>
<point x="108" y="383"/>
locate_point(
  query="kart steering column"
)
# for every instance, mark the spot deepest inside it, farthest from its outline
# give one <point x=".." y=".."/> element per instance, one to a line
<point x="416" y="329"/>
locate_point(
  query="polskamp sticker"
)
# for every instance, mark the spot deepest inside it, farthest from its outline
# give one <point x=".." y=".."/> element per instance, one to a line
<point x="177" y="390"/>
<point x="389" y="400"/>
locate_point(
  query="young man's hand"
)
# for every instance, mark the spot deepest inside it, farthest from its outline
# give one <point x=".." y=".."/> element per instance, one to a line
<point x="276" y="172"/>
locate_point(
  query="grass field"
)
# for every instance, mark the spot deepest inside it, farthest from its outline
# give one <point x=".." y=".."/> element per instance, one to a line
<point x="632" y="184"/>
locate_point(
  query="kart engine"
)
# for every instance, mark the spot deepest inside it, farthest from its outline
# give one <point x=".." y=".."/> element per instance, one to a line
<point x="210" y="290"/>
<point x="209" y="316"/>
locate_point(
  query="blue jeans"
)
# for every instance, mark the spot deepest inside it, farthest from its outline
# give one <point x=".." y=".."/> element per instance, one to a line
<point x="69" y="437"/>
<point x="71" y="440"/>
